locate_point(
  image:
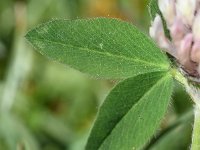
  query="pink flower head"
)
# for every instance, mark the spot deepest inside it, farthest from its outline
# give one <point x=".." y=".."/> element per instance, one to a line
<point x="183" y="22"/>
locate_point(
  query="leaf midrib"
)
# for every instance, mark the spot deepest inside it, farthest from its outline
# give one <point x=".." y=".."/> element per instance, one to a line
<point x="164" y="67"/>
<point x="135" y="105"/>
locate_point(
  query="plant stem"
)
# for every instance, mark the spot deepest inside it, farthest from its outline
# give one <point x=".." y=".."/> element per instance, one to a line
<point x="196" y="130"/>
<point x="194" y="92"/>
<point x="179" y="77"/>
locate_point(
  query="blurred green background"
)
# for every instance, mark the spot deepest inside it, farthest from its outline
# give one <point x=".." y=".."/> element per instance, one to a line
<point x="45" y="105"/>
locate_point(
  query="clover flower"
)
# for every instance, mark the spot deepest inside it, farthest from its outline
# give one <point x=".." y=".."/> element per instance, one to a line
<point x="183" y="22"/>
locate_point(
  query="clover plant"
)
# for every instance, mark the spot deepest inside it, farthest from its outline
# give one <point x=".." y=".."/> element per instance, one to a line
<point x="114" y="49"/>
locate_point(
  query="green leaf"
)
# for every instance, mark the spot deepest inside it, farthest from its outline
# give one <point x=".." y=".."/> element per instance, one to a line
<point x="153" y="10"/>
<point x="172" y="135"/>
<point x="107" y="48"/>
<point x="131" y="112"/>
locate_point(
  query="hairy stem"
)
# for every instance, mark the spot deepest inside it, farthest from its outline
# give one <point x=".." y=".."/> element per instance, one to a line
<point x="194" y="92"/>
<point x="196" y="131"/>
